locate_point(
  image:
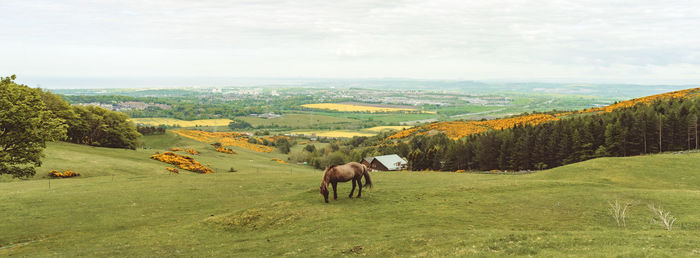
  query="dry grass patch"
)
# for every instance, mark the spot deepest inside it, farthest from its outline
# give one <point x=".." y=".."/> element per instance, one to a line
<point x="276" y="215"/>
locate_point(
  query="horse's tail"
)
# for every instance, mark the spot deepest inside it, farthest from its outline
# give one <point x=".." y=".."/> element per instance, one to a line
<point x="368" y="180"/>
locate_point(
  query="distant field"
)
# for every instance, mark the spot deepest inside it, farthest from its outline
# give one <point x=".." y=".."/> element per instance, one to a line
<point x="381" y="128"/>
<point x="357" y="108"/>
<point x="156" y="121"/>
<point x="287" y="120"/>
<point x="394" y="118"/>
<point x="298" y="120"/>
<point x="350" y="133"/>
<point x="335" y="133"/>
<point x="129" y="205"/>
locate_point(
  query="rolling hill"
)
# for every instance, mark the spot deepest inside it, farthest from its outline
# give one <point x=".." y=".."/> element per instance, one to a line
<point x="459" y="129"/>
<point x="126" y="204"/>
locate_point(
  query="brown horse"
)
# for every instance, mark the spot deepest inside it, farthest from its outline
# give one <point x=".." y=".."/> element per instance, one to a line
<point x="343" y="173"/>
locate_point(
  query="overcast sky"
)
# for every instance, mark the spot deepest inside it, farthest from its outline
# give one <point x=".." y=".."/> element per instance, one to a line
<point x="579" y="41"/>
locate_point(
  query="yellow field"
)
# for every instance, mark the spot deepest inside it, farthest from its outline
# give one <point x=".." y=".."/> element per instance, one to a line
<point x="225" y="138"/>
<point x="356" y="108"/>
<point x="336" y="133"/>
<point x="182" y="123"/>
<point x="380" y="128"/>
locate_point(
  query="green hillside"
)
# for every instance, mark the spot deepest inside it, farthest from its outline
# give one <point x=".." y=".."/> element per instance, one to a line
<point x="127" y="204"/>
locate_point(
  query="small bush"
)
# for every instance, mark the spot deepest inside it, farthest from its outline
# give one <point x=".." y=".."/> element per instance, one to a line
<point x="183" y="162"/>
<point x="232" y="169"/>
<point x="225" y="150"/>
<point x="664" y="217"/>
<point x="64" y="174"/>
<point x="618" y="211"/>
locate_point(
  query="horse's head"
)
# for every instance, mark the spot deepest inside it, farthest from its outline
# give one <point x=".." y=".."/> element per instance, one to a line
<point x="324" y="191"/>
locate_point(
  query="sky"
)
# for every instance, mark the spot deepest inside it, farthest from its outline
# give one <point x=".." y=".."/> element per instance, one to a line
<point x="60" y="42"/>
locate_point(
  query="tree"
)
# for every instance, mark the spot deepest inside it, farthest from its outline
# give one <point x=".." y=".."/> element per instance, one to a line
<point x="97" y="126"/>
<point x="283" y="145"/>
<point x="239" y="124"/>
<point x="25" y="127"/>
<point x="310" y="147"/>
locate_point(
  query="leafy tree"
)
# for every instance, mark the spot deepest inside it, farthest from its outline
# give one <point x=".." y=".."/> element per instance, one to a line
<point x="25" y="127"/>
<point x="336" y="158"/>
<point x="283" y="145"/>
<point x="310" y="147"/>
<point x="97" y="126"/>
<point x="239" y="124"/>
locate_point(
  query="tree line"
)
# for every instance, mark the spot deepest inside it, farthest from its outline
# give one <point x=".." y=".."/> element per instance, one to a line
<point x="670" y="125"/>
<point x="194" y="106"/>
<point x="30" y="117"/>
<point x="150" y="130"/>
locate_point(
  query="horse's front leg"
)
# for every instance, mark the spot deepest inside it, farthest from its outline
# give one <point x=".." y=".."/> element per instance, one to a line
<point x="359" y="189"/>
<point x="335" y="193"/>
<point x="353" y="188"/>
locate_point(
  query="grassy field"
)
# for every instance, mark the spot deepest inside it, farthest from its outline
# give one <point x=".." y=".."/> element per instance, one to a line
<point x="128" y="205"/>
<point x="349" y="133"/>
<point x="299" y="120"/>
<point x="395" y="118"/>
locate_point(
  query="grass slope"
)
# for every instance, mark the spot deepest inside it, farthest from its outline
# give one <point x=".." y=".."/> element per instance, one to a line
<point x="272" y="209"/>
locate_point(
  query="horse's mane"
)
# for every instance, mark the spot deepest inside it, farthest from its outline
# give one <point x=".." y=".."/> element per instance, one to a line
<point x="333" y="166"/>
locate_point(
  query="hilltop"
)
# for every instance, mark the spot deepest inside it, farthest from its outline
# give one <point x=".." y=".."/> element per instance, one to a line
<point x="459" y="129"/>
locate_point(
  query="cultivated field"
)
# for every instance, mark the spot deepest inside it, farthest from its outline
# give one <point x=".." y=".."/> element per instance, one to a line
<point x="156" y="121"/>
<point x="334" y="133"/>
<point x="126" y="204"/>
<point x="356" y="108"/>
<point x="382" y="128"/>
<point x="299" y="120"/>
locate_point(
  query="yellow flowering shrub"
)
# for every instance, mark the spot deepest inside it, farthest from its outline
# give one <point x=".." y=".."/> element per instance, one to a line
<point x="64" y="174"/>
<point x="404" y="133"/>
<point x="192" y="151"/>
<point x="183" y="162"/>
<point x="279" y="161"/>
<point x="173" y="170"/>
<point x="225" y="150"/>
<point x="459" y="129"/>
<point x="175" y="149"/>
<point x="646" y="100"/>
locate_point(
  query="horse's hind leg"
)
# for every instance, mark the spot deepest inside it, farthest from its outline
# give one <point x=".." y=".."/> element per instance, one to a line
<point x="353" y="188"/>
<point x="359" y="189"/>
<point x="335" y="193"/>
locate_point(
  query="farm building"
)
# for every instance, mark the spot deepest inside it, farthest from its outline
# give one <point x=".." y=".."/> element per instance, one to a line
<point x="385" y="163"/>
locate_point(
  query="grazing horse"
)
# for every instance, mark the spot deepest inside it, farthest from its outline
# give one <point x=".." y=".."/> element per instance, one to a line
<point x="343" y="173"/>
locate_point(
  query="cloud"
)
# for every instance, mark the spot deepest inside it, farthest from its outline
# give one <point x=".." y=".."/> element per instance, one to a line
<point x="401" y="38"/>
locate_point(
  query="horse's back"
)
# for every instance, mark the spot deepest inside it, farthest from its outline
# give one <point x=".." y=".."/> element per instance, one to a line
<point x="348" y="171"/>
